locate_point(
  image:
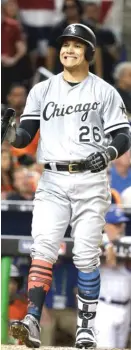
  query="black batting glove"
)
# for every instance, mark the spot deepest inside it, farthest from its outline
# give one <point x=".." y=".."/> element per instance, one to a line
<point x="98" y="161"/>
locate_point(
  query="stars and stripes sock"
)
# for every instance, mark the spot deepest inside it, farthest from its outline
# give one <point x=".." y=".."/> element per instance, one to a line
<point x="88" y="293"/>
<point x="39" y="282"/>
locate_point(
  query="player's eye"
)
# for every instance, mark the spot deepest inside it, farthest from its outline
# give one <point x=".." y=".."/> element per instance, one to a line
<point x="77" y="45"/>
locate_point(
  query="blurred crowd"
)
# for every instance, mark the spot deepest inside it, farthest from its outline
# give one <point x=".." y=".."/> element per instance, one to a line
<point x="28" y="41"/>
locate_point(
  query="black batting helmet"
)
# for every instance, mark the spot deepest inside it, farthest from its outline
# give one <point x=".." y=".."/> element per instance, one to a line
<point x="82" y="32"/>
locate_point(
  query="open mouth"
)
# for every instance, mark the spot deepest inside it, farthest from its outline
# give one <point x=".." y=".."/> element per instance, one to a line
<point x="70" y="57"/>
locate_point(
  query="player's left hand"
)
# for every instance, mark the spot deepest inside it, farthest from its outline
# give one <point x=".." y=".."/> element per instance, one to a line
<point x="98" y="161"/>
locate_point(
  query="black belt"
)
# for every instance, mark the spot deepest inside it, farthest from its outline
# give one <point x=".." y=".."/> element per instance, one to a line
<point x="70" y="167"/>
<point x="115" y="301"/>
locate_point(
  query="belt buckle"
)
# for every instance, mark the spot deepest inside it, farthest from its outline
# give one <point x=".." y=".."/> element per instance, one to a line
<point x="71" y="168"/>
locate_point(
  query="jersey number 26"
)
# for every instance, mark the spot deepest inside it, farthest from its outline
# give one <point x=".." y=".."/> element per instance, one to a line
<point x="87" y="134"/>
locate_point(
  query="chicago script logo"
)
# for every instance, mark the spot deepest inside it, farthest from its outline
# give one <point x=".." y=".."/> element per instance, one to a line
<point x="52" y="110"/>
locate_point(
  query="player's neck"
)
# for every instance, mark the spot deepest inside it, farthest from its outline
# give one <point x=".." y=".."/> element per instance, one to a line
<point x="75" y="75"/>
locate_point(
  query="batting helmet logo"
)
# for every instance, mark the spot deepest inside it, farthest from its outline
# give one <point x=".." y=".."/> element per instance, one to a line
<point x="72" y="28"/>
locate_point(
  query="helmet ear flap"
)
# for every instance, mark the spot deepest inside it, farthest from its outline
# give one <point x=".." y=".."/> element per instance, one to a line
<point x="89" y="54"/>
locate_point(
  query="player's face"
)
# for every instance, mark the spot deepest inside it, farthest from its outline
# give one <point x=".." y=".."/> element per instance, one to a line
<point x="127" y="78"/>
<point x="115" y="231"/>
<point x="72" y="54"/>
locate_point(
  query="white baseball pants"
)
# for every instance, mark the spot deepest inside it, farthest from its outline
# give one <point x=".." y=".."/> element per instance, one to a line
<point x="81" y="199"/>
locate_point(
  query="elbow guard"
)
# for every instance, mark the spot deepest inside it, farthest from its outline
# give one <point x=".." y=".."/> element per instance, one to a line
<point x="119" y="145"/>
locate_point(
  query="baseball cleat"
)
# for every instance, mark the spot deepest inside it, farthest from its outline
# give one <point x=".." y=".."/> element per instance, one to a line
<point x="85" y="338"/>
<point x="27" y="331"/>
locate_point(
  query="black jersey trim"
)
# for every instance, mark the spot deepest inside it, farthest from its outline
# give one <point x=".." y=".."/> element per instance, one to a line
<point x="117" y="126"/>
<point x="30" y="116"/>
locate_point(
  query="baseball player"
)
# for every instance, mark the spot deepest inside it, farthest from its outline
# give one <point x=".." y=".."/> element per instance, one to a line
<point x="74" y="110"/>
<point x="115" y="293"/>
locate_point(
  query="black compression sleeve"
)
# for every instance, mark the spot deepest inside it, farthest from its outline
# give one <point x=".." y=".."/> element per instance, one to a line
<point x="26" y="132"/>
<point x="121" y="142"/>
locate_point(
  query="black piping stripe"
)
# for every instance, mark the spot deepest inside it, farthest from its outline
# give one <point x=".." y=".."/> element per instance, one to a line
<point x="41" y="267"/>
<point x="40" y="273"/>
<point x="112" y="126"/>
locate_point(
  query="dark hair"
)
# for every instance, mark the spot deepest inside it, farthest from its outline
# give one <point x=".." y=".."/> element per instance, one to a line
<point x="16" y="85"/>
<point x="26" y="160"/>
<point x="78" y="5"/>
<point x="19" y="280"/>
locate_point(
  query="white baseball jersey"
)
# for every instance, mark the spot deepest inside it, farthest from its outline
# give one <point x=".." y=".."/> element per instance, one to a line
<point x="113" y="330"/>
<point x="74" y="119"/>
<point x="115" y="283"/>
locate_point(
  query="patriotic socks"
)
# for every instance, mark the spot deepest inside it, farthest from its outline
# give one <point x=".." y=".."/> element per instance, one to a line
<point x="39" y="282"/>
<point x="88" y="293"/>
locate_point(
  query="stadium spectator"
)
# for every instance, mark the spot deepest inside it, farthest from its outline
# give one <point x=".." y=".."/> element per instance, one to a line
<point x="11" y="8"/>
<point x="13" y="51"/>
<point x="120" y="172"/>
<point x="126" y="197"/>
<point x="15" y="99"/>
<point x="29" y="150"/>
<point x="17" y="301"/>
<point x="115" y="222"/>
<point x="26" y="160"/>
<point x="126" y="203"/>
<point x="7" y="169"/>
<point x="37" y="18"/>
<point x="36" y="167"/>
<point x="110" y="49"/>
<point x="25" y="183"/>
<point x="58" y="321"/>
<point x="122" y="77"/>
<point x="114" y="301"/>
<point x="73" y="12"/>
<point x="116" y="198"/>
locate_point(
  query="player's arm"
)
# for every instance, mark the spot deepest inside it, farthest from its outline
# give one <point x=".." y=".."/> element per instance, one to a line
<point x="116" y="124"/>
<point x="25" y="133"/>
<point x="121" y="142"/>
<point x="29" y="122"/>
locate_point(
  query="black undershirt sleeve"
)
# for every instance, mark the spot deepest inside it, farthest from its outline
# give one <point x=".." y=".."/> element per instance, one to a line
<point x="26" y="132"/>
<point x="121" y="138"/>
<point x="121" y="143"/>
